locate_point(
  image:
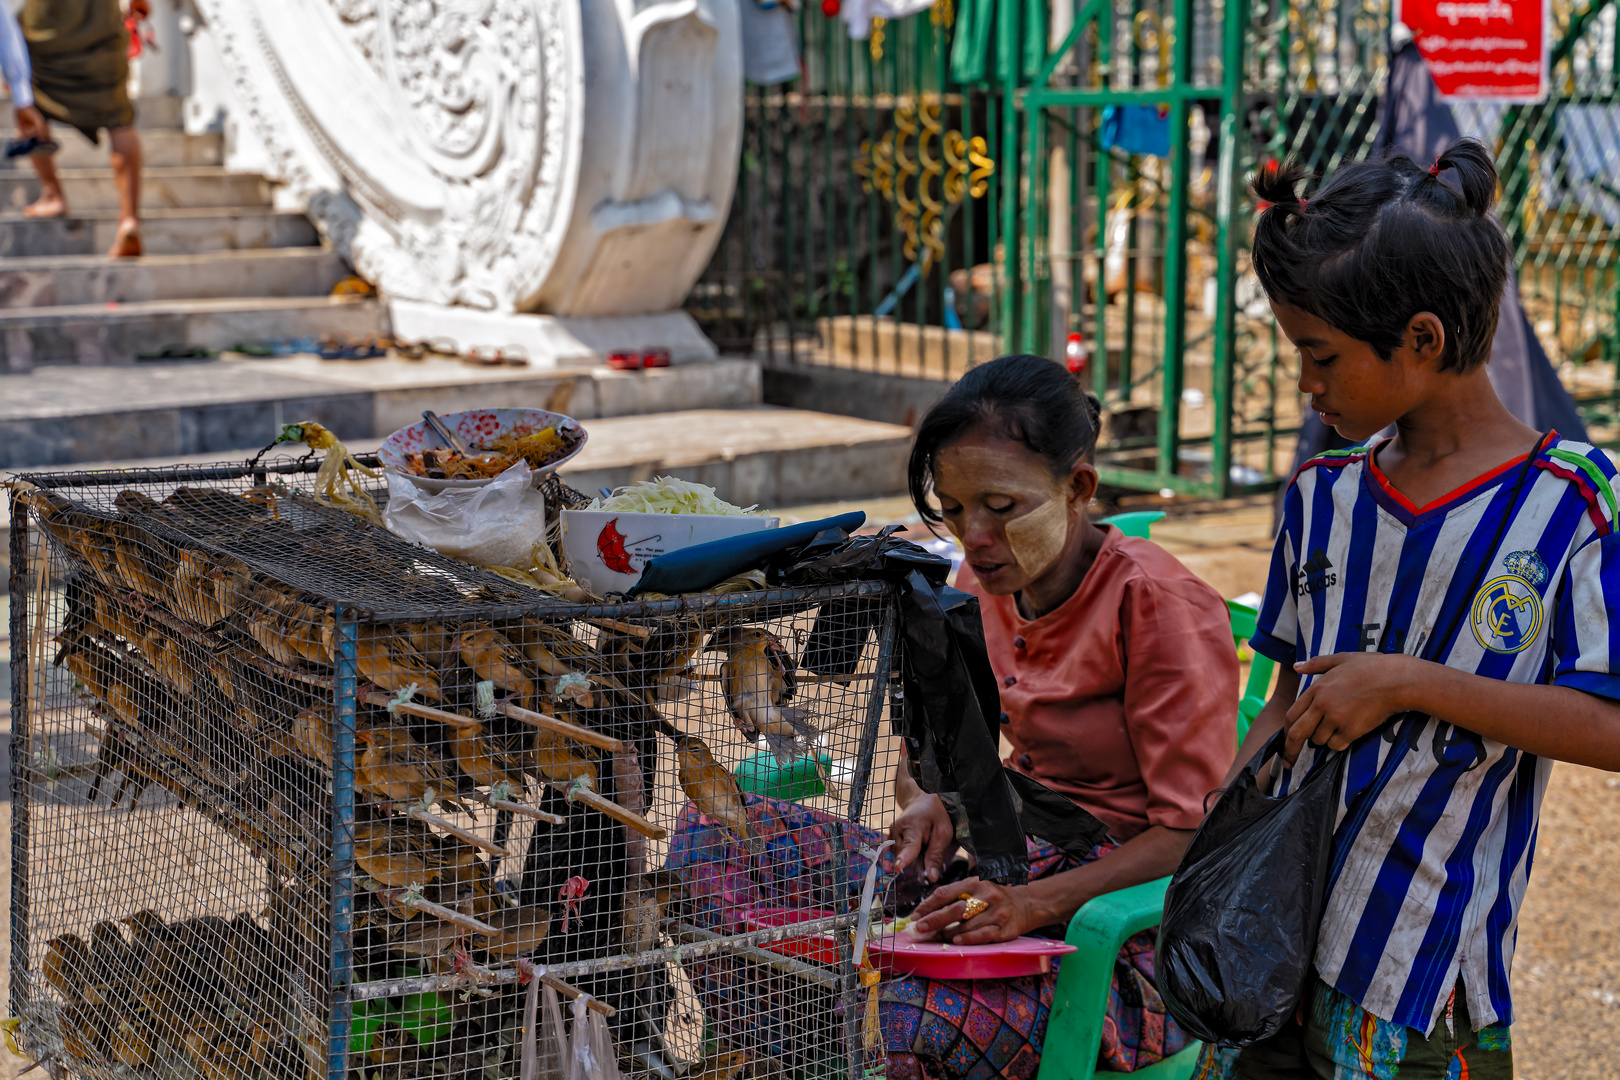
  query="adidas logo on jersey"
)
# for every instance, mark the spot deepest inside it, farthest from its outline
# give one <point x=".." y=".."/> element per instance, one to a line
<point x="1313" y="574"/>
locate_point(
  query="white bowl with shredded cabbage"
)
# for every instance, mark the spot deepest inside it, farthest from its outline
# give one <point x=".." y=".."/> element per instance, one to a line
<point x="610" y="543"/>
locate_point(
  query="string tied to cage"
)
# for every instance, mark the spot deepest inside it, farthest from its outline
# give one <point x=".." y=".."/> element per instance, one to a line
<point x="403" y="697"/>
<point x="486" y="699"/>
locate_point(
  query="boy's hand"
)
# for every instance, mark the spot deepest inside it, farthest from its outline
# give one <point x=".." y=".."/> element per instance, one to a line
<point x="1352" y="694"/>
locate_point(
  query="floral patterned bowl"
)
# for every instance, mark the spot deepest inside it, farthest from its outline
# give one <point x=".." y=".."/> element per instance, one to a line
<point x="478" y="428"/>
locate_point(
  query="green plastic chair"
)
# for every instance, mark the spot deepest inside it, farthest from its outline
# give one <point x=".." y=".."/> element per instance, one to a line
<point x="1135" y="523"/>
<point x="1099" y="930"/>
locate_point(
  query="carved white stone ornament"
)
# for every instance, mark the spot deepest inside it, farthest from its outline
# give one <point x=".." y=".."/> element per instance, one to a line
<point x="574" y="157"/>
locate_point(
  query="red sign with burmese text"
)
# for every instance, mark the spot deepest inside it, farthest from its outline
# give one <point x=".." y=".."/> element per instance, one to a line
<point x="1484" y="50"/>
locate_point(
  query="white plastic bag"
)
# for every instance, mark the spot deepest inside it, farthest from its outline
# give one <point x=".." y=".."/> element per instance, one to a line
<point x="494" y="525"/>
<point x="592" y="1045"/>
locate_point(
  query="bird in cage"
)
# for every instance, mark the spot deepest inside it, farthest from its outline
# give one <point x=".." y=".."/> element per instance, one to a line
<point x="486" y="759"/>
<point x="144" y="561"/>
<point x="191" y="588"/>
<point x="652" y="665"/>
<point x="713" y="790"/>
<point x="559" y="760"/>
<point x="67" y="965"/>
<point x="522" y="930"/>
<point x="646" y="896"/>
<point x="397" y="768"/>
<point x="399" y="853"/>
<point x="386" y="657"/>
<point x="757" y="681"/>
<point x="83" y="1033"/>
<point x="494" y="658"/>
<point x="129" y="1042"/>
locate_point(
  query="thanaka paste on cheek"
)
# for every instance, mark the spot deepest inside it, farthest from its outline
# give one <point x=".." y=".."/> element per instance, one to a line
<point x="1036" y="538"/>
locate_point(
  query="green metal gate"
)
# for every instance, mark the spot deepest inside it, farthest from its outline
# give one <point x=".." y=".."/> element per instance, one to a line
<point x="966" y="184"/>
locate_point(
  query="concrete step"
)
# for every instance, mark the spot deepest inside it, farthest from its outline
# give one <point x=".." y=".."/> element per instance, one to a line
<point x="751" y="456"/>
<point x="168" y="187"/>
<point x="762" y="456"/>
<point x="54" y="280"/>
<point x="102" y="334"/>
<point x="158" y="148"/>
<point x="164" y="232"/>
<point x="154" y="113"/>
<point x="63" y="416"/>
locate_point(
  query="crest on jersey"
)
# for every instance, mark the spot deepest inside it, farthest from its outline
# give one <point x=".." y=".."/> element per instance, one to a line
<point x="1528" y="566"/>
<point x="1507" y="612"/>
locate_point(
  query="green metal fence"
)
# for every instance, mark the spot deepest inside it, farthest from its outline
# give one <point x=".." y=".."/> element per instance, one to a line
<point x="984" y="179"/>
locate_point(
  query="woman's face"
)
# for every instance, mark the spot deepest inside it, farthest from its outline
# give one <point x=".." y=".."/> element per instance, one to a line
<point x="1001" y="500"/>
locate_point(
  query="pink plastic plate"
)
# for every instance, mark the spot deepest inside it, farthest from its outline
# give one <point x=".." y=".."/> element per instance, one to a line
<point x="822" y="948"/>
<point x="901" y="954"/>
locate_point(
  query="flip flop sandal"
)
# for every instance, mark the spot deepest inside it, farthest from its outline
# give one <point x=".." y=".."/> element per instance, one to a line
<point x="483" y="356"/>
<point x="17" y="148"/>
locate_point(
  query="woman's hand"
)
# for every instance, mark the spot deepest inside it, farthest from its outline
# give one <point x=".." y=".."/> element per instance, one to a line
<point x="923" y="831"/>
<point x="1351" y="694"/>
<point x="31" y="123"/>
<point x="1011" y="913"/>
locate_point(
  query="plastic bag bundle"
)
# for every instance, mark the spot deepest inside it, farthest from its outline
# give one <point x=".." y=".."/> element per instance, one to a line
<point x="1242" y="912"/>
<point x="494" y="525"/>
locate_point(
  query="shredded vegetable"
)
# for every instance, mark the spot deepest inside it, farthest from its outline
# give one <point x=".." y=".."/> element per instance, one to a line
<point x="336" y="472"/>
<point x="668" y="495"/>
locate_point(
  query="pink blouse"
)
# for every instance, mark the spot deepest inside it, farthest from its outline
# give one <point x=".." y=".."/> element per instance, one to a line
<point x="1125" y="696"/>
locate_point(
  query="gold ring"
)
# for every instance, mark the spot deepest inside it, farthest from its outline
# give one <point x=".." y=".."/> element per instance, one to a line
<point x="972" y="905"/>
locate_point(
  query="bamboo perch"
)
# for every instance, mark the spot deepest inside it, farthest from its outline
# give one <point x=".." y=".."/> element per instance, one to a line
<point x="427" y="712"/>
<point x="527" y="811"/>
<point x="562" y="727"/>
<point x="457" y="831"/>
<point x="622" y="627"/>
<point x="569" y="991"/>
<point x="615" y="811"/>
<point x="799" y="676"/>
<point x="449" y="915"/>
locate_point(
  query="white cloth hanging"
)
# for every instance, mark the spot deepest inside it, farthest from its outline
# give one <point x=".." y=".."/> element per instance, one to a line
<point x="858" y="14"/>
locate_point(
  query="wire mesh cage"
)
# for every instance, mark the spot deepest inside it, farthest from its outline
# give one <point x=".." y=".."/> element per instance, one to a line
<point x="294" y="798"/>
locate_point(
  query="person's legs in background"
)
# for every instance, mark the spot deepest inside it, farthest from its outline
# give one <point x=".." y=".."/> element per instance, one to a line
<point x="51" y="202"/>
<point x="126" y="164"/>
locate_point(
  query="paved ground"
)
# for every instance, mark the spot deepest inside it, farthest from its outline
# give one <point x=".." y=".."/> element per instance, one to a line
<point x="1567" y="972"/>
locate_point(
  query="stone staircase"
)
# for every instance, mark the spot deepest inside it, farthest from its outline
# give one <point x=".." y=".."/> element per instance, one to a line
<point x="224" y="268"/>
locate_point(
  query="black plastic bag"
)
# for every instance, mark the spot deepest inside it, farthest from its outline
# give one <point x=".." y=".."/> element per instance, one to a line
<point x="951" y="702"/>
<point x="1242" y="913"/>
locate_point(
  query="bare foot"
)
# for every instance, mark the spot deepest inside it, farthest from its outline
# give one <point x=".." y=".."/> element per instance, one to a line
<point x="47" y="206"/>
<point x="127" y="244"/>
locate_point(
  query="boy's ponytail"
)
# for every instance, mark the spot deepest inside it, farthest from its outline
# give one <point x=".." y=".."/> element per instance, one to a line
<point x="1476" y="173"/>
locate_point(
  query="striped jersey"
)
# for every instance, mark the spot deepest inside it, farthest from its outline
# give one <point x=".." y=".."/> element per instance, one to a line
<point x="1437" y="825"/>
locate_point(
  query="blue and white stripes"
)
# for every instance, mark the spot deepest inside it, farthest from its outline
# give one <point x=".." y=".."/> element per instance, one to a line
<point x="1437" y="826"/>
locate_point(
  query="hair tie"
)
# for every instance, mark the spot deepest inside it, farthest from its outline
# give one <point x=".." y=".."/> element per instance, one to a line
<point x="1262" y="205"/>
<point x="1434" y="170"/>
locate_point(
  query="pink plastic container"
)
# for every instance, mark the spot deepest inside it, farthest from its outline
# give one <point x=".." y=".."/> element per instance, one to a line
<point x="901" y="954"/>
<point x="820" y="948"/>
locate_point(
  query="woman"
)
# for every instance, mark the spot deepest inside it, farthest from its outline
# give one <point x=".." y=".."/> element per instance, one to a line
<point x="1118" y="689"/>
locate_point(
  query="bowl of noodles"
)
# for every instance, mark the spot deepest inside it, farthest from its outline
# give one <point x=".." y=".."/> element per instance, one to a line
<point x="499" y="438"/>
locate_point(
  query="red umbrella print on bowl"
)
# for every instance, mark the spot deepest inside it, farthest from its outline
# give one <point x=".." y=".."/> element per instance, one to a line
<point x="611" y="546"/>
